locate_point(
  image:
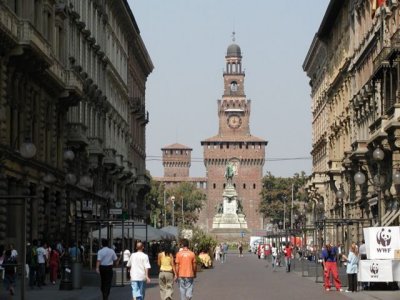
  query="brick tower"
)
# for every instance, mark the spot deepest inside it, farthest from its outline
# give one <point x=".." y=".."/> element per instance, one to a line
<point x="176" y="160"/>
<point x="234" y="144"/>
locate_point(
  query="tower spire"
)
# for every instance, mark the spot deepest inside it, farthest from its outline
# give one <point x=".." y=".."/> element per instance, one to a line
<point x="233" y="35"/>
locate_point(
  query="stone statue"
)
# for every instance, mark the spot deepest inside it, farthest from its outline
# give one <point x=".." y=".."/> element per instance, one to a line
<point x="239" y="209"/>
<point x="229" y="172"/>
<point x="220" y="208"/>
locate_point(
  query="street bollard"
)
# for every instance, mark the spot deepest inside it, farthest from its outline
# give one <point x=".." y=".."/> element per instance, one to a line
<point x="66" y="274"/>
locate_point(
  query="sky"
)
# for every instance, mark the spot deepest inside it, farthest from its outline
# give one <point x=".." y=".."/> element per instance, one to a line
<point x="187" y="42"/>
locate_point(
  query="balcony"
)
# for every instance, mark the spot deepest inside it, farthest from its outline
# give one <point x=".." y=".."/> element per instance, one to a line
<point x="76" y="134"/>
<point x="9" y="25"/>
<point x="381" y="59"/>
<point x="32" y="40"/>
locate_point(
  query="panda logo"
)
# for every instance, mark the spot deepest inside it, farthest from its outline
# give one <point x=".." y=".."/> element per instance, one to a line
<point x="374" y="268"/>
<point x="384" y="237"/>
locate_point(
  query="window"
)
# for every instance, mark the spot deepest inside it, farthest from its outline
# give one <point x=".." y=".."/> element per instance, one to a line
<point x="254" y="186"/>
<point x="244" y="186"/>
<point x="214" y="186"/>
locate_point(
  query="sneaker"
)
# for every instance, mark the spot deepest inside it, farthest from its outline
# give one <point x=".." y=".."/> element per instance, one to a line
<point x="327" y="289"/>
<point x="341" y="290"/>
<point x="347" y="291"/>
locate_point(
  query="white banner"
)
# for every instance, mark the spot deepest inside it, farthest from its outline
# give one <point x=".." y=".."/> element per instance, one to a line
<point x="374" y="270"/>
<point x="382" y="241"/>
<point x="396" y="270"/>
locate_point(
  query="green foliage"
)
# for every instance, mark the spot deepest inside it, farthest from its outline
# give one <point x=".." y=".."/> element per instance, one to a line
<point x="185" y="193"/>
<point x="278" y="190"/>
<point x="202" y="241"/>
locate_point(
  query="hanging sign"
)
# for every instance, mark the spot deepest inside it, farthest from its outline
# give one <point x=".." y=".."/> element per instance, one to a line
<point x="375" y="270"/>
<point x="381" y="242"/>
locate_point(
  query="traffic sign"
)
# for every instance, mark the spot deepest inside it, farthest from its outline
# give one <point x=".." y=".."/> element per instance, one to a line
<point x="115" y="211"/>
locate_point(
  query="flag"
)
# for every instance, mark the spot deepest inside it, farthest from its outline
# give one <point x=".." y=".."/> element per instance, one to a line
<point x="375" y="4"/>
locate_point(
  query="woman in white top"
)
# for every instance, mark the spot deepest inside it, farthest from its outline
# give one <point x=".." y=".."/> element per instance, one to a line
<point x="274" y="255"/>
<point x="217" y="252"/>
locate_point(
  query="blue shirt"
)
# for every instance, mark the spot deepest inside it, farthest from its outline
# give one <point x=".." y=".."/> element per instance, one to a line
<point x="329" y="256"/>
<point x="352" y="263"/>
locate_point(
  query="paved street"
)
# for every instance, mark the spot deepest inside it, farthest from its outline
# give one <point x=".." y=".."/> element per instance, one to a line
<point x="239" y="278"/>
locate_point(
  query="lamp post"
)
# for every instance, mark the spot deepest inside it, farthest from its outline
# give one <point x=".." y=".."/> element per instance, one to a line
<point x="27" y="151"/>
<point x="378" y="155"/>
<point x="340" y="195"/>
<point x="183" y="215"/>
<point x="173" y="210"/>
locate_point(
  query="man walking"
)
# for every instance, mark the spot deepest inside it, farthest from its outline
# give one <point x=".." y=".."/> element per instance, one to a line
<point x="139" y="270"/>
<point x="186" y="270"/>
<point x="104" y="265"/>
<point x="41" y="271"/>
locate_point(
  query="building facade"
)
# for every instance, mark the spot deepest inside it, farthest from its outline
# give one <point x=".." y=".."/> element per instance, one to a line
<point x="72" y="92"/>
<point x="234" y="144"/>
<point x="353" y="68"/>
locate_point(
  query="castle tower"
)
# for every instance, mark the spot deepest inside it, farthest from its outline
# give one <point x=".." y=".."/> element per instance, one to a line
<point x="234" y="144"/>
<point x="176" y="160"/>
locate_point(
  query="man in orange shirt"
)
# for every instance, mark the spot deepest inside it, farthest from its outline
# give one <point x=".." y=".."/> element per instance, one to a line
<point x="186" y="269"/>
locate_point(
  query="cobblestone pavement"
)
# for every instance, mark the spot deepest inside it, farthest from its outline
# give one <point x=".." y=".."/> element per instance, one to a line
<point x="239" y="278"/>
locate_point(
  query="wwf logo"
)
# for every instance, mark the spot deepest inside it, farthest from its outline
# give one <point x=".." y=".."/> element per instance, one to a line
<point x="374" y="269"/>
<point x="384" y="237"/>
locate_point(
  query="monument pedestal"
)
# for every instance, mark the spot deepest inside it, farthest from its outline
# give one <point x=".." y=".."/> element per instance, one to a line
<point x="230" y="222"/>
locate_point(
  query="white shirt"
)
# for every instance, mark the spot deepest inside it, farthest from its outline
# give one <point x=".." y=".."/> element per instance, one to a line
<point x="14" y="253"/>
<point x="41" y="255"/>
<point x="363" y="249"/>
<point x="274" y="251"/>
<point x="106" y="256"/>
<point x="138" y="262"/>
<point x="126" y="255"/>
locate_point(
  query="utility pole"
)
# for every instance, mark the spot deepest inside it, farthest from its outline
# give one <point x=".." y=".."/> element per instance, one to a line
<point x="165" y="209"/>
<point x="183" y="216"/>
<point x="291" y="208"/>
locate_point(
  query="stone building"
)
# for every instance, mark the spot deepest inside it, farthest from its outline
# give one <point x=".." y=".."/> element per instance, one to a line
<point x="234" y="144"/>
<point x="177" y="159"/>
<point x="353" y="66"/>
<point x="72" y="116"/>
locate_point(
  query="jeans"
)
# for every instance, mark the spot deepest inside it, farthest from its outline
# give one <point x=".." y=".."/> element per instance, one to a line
<point x="186" y="288"/>
<point x="41" y="274"/>
<point x="287" y="263"/>
<point x="273" y="261"/>
<point x="138" y="289"/>
<point x="32" y="276"/>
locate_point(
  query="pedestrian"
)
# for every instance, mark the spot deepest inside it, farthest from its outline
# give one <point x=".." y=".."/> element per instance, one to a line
<point x="106" y="258"/>
<point x="352" y="267"/>
<point x="167" y="273"/>
<point x="329" y="259"/>
<point x="274" y="255"/>
<point x="74" y="252"/>
<point x="54" y="264"/>
<point x="14" y="252"/>
<point x="288" y="256"/>
<point x="363" y="255"/>
<point x="225" y="248"/>
<point x="9" y="264"/>
<point x="139" y="269"/>
<point x="186" y="270"/>
<point x="217" y="253"/>
<point x="32" y="259"/>
<point x="41" y="269"/>
<point x="240" y="248"/>
<point x="125" y="258"/>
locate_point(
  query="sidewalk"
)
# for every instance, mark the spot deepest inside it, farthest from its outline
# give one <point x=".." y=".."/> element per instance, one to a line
<point x="363" y="294"/>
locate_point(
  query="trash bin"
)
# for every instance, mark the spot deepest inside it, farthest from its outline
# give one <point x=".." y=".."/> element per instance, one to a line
<point x="66" y="274"/>
<point x="77" y="275"/>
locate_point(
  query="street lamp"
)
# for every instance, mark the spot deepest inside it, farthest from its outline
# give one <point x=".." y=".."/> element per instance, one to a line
<point x="379" y="180"/>
<point x="173" y="210"/>
<point x="27" y="151"/>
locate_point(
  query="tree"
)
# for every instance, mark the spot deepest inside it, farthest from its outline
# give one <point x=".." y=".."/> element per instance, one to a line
<point x="278" y="190"/>
<point x="193" y="200"/>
